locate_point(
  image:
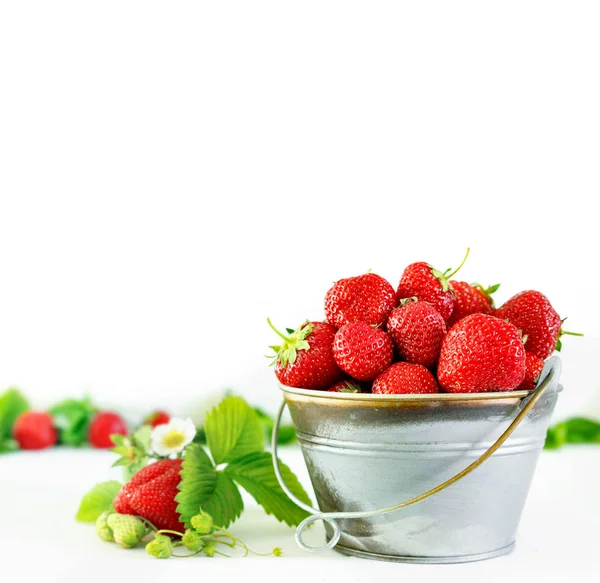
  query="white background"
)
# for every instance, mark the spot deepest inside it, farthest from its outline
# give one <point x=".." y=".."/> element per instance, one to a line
<point x="173" y="172"/>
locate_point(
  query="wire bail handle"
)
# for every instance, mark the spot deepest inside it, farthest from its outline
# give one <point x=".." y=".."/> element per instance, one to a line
<point x="548" y="378"/>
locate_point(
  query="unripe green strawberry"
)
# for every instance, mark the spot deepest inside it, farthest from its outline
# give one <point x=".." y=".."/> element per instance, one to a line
<point x="202" y="523"/>
<point x="102" y="529"/>
<point x="209" y="549"/>
<point x="160" y="547"/>
<point x="127" y="530"/>
<point x="192" y="541"/>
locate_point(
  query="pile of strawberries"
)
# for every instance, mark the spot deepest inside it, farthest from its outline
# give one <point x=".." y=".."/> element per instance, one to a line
<point x="431" y="334"/>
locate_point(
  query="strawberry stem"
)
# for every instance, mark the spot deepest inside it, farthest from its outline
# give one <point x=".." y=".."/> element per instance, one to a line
<point x="277" y="331"/>
<point x="453" y="273"/>
<point x="571" y="333"/>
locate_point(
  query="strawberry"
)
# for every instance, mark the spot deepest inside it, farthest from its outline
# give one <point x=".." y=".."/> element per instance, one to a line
<point x="533" y="368"/>
<point x="417" y="330"/>
<point x="481" y="353"/>
<point x="405" y="378"/>
<point x="424" y="282"/>
<point x="344" y="387"/>
<point x="531" y="312"/>
<point x="366" y="298"/>
<point x="151" y="495"/>
<point x="34" y="430"/>
<point x="127" y="531"/>
<point x="305" y="358"/>
<point x="362" y="351"/>
<point x="103" y="425"/>
<point x="157" y="418"/>
<point x="471" y="299"/>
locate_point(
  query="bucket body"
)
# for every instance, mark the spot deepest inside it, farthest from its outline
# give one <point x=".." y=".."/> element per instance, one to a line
<point x="365" y="452"/>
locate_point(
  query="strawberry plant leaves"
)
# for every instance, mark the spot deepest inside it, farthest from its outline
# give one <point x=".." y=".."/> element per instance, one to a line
<point x="72" y="418"/>
<point x="287" y="433"/>
<point x="97" y="500"/>
<point x="12" y="404"/>
<point x="255" y="474"/>
<point x="202" y="487"/>
<point x="574" y="430"/>
<point x="233" y="430"/>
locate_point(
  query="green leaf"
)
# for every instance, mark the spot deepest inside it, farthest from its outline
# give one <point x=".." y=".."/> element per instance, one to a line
<point x="142" y="437"/>
<point x="12" y="404"/>
<point x="202" y="487"/>
<point x="287" y="433"/>
<point x="558" y="345"/>
<point x="233" y="430"/>
<point x="72" y="418"/>
<point x="255" y="474"/>
<point x="574" y="430"/>
<point x="8" y="445"/>
<point x="97" y="500"/>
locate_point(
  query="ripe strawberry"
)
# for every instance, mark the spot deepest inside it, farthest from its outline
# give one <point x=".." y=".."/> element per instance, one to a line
<point x="344" y="387"/>
<point x="157" y="418"/>
<point x="533" y="368"/>
<point x="417" y="330"/>
<point x="362" y="351"/>
<point x="305" y="358"/>
<point x="366" y="298"/>
<point x="531" y="312"/>
<point x="103" y="425"/>
<point x="426" y="283"/>
<point x="481" y="353"/>
<point x="471" y="299"/>
<point x="151" y="495"/>
<point x="34" y="430"/>
<point x="405" y="378"/>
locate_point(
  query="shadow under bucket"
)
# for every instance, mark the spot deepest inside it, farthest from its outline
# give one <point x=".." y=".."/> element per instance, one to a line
<point x="420" y="478"/>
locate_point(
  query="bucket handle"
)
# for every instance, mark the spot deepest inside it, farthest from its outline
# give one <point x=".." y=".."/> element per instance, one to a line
<point x="548" y="377"/>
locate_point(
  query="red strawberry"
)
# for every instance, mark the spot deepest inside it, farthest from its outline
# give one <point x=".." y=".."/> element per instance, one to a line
<point x="531" y="312"/>
<point x="417" y="330"/>
<point x="533" y="368"/>
<point x="471" y="299"/>
<point x="481" y="353"/>
<point x="366" y="298"/>
<point x="103" y="425"/>
<point x="344" y="387"/>
<point x="157" y="418"/>
<point x="34" y="430"/>
<point x="305" y="358"/>
<point x="151" y="495"/>
<point x="362" y="351"/>
<point x="426" y="283"/>
<point x="405" y="378"/>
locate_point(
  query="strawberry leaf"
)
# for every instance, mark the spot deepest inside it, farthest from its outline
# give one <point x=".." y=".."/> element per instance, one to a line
<point x="233" y="430"/>
<point x="202" y="487"/>
<point x="255" y="474"/>
<point x="72" y="418"/>
<point x="12" y="404"/>
<point x="97" y="500"/>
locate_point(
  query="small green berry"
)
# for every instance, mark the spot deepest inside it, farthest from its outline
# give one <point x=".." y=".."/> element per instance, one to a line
<point x="202" y="523"/>
<point x="209" y="549"/>
<point x="192" y="541"/>
<point x="160" y="547"/>
<point x="102" y="529"/>
<point x="128" y="530"/>
<point x="277" y="552"/>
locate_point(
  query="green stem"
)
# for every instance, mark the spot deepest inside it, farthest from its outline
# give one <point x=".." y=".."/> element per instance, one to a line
<point x="458" y="268"/>
<point x="571" y="333"/>
<point x="166" y="531"/>
<point x="276" y="331"/>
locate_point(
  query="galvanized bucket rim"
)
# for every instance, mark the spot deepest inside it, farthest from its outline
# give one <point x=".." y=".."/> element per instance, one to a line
<point x="425" y="398"/>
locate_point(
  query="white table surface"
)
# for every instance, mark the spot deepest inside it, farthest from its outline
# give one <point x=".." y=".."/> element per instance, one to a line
<point x="40" y="540"/>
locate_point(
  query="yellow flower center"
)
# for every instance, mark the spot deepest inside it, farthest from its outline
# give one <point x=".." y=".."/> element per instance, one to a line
<point x="173" y="439"/>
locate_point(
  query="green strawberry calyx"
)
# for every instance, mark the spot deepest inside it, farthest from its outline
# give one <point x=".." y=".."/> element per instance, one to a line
<point x="287" y="352"/>
<point x="487" y="291"/>
<point x="350" y="388"/>
<point x="444" y="278"/>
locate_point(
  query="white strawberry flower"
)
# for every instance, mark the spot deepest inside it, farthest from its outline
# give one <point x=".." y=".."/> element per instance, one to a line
<point x="172" y="437"/>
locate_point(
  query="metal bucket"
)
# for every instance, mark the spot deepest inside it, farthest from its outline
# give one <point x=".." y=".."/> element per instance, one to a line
<point x="420" y="478"/>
